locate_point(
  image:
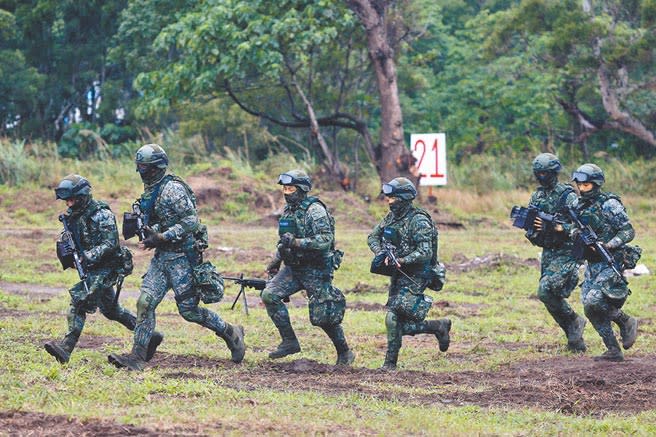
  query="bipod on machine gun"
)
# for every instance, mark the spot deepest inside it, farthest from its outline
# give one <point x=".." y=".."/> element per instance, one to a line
<point x="257" y="284"/>
<point x="69" y="254"/>
<point x="589" y="238"/>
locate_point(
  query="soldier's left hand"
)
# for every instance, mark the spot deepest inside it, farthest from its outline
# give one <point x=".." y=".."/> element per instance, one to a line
<point x="288" y="240"/>
<point x="153" y="239"/>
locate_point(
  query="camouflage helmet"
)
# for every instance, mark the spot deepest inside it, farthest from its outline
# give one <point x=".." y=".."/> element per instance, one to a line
<point x="546" y="162"/>
<point x="297" y="178"/>
<point x="402" y="188"/>
<point x="72" y="185"/>
<point x="589" y="173"/>
<point x="152" y="154"/>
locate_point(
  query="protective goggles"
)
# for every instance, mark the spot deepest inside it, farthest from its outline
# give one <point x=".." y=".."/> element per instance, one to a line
<point x="285" y="179"/>
<point x="388" y="189"/>
<point x="64" y="193"/>
<point x="578" y="176"/>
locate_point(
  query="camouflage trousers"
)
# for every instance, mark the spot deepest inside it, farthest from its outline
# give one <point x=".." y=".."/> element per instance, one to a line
<point x="170" y="270"/>
<point x="396" y="325"/>
<point x="558" y="278"/>
<point x="603" y="294"/>
<point x="316" y="282"/>
<point x="101" y="296"/>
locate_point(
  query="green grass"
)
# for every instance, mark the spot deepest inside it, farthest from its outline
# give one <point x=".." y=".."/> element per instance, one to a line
<point x="489" y="328"/>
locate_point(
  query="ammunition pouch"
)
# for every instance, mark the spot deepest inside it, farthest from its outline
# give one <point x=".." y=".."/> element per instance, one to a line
<point x="435" y="276"/>
<point x="337" y="257"/>
<point x="208" y="282"/>
<point x="201" y="238"/>
<point x="65" y="254"/>
<point x="629" y="256"/>
<point x="130" y="225"/>
<point x="409" y="305"/>
<point x="327" y="307"/>
<point x="125" y="263"/>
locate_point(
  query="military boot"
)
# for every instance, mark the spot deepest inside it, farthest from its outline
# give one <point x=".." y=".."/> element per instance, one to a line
<point x="60" y="350"/>
<point x="614" y="353"/>
<point x="289" y="343"/>
<point x="135" y="360"/>
<point x="441" y="329"/>
<point x="155" y="341"/>
<point x="391" y="358"/>
<point x="234" y="338"/>
<point x="345" y="358"/>
<point x="628" y="330"/>
<point x="574" y="332"/>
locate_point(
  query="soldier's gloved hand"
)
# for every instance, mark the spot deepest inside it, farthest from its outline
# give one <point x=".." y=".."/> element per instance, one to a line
<point x="287" y="240"/>
<point x="153" y="239"/>
<point x="273" y="266"/>
<point x="537" y="224"/>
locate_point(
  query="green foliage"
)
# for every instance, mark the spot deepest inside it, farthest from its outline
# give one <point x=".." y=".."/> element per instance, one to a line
<point x="82" y="141"/>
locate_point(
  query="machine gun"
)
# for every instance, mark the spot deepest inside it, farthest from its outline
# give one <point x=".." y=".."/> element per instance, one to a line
<point x="133" y="223"/>
<point x="588" y="238"/>
<point x="257" y="284"/>
<point x="68" y="253"/>
<point x="379" y="267"/>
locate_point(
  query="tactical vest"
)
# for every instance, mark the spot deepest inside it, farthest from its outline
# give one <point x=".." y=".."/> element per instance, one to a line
<point x="294" y="223"/>
<point x="198" y="241"/>
<point x="397" y="232"/>
<point x="82" y="221"/>
<point x="592" y="214"/>
<point x="549" y="238"/>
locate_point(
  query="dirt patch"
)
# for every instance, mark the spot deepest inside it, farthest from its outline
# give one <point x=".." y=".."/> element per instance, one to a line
<point x="488" y="262"/>
<point x="366" y="306"/>
<point x="570" y="385"/>
<point x="363" y="287"/>
<point x="9" y="312"/>
<point x="27" y="423"/>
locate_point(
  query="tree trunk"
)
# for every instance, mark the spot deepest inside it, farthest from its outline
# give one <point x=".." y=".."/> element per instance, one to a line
<point x="392" y="157"/>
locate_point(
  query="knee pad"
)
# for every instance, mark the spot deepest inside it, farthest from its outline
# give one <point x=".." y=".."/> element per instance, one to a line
<point x="391" y="321"/>
<point x="269" y="298"/>
<point x="190" y="311"/>
<point x="145" y="304"/>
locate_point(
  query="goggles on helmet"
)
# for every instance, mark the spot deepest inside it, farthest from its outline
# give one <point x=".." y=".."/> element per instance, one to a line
<point x="285" y="179"/>
<point x="580" y="176"/>
<point x="388" y="189"/>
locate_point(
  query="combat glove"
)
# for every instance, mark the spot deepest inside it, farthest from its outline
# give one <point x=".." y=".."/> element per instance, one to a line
<point x="287" y="240"/>
<point x="153" y="239"/>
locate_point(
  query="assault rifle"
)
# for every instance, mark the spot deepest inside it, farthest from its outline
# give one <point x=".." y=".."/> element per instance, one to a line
<point x="133" y="223"/>
<point x="257" y="284"/>
<point x="524" y="218"/>
<point x="378" y="265"/>
<point x="68" y="253"/>
<point x="590" y="239"/>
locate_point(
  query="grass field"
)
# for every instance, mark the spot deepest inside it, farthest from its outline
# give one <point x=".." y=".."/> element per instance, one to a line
<point x="506" y="372"/>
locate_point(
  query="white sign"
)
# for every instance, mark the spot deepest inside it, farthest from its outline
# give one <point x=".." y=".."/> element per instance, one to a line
<point x="430" y="152"/>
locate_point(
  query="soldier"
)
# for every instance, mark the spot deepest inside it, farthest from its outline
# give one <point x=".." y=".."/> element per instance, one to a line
<point x="604" y="291"/>
<point x="93" y="228"/>
<point x="173" y="230"/>
<point x="413" y="236"/>
<point x="307" y="248"/>
<point x="559" y="268"/>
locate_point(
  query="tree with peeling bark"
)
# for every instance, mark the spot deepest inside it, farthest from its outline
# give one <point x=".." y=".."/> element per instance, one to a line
<point x="392" y="156"/>
<point x="604" y="52"/>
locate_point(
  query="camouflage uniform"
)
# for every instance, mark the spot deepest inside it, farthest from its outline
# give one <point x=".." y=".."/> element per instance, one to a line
<point x="170" y="212"/>
<point x="558" y="267"/>
<point x="94" y="230"/>
<point x="603" y="292"/>
<point x="412" y="233"/>
<point x="309" y="263"/>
